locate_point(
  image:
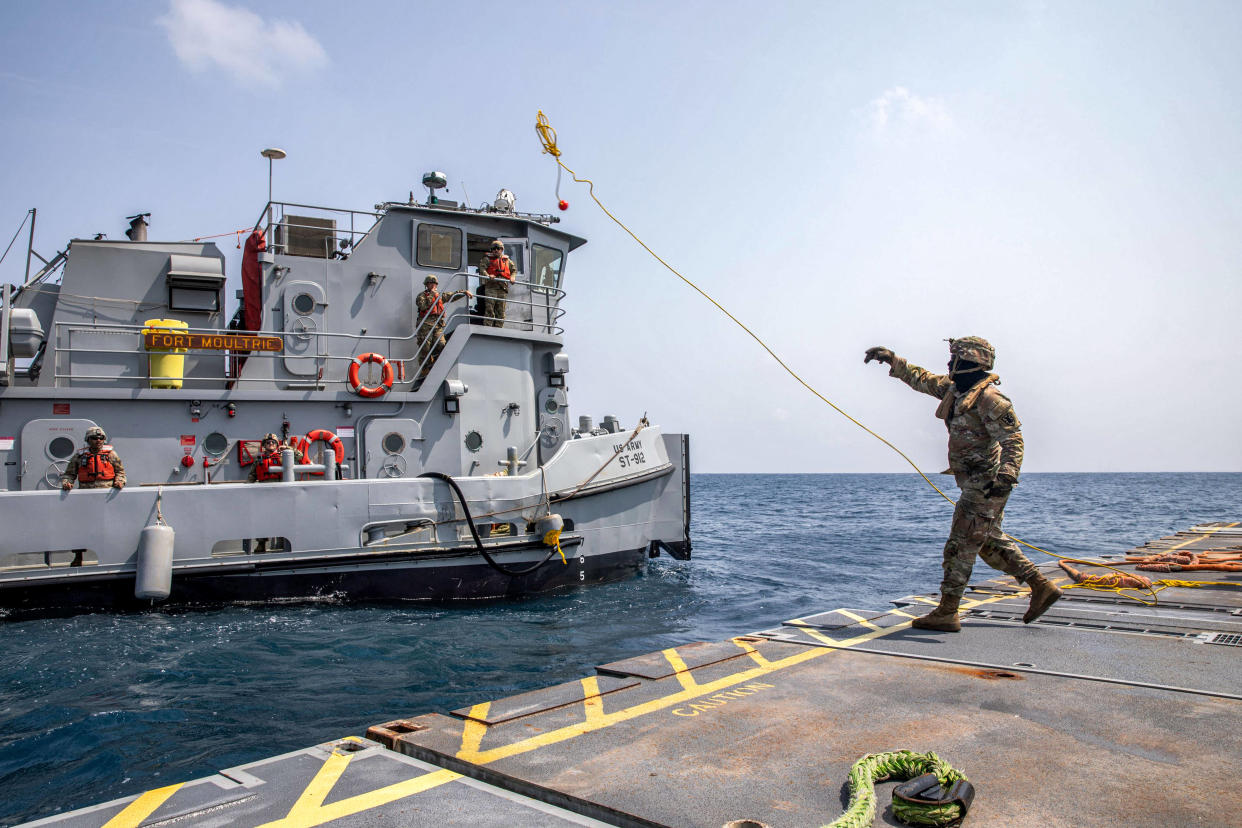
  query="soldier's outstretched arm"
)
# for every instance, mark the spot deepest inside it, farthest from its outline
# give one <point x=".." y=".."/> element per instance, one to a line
<point x="920" y="379"/>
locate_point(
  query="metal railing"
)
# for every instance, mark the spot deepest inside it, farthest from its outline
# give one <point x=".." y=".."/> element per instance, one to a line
<point x="337" y="240"/>
<point x="331" y="364"/>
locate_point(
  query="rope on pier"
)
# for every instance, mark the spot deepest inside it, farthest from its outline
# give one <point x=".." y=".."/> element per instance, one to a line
<point x="901" y="764"/>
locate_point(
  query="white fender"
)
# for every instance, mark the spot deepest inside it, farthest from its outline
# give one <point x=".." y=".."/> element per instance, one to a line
<point x="154" y="568"/>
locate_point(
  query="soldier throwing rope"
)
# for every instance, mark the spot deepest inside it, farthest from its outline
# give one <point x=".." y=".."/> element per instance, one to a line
<point x="985" y="455"/>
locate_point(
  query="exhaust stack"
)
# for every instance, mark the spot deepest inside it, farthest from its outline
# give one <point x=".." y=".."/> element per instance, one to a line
<point x="137" y="227"/>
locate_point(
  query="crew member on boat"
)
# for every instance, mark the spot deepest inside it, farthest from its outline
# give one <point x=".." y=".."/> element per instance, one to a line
<point x="270" y="451"/>
<point x="95" y="466"/>
<point x="269" y="455"/>
<point x="496" y="274"/>
<point x="985" y="455"/>
<point x="431" y="321"/>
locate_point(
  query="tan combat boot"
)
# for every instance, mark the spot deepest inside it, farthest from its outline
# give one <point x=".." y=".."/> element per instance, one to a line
<point x="943" y="617"/>
<point x="1044" y="594"/>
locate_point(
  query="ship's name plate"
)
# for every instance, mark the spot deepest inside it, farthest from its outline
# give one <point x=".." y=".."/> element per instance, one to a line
<point x="213" y="342"/>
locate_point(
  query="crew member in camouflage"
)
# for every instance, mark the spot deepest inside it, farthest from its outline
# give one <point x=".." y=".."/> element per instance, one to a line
<point x="95" y="465"/>
<point x="431" y="321"/>
<point x="496" y="273"/>
<point x="985" y="456"/>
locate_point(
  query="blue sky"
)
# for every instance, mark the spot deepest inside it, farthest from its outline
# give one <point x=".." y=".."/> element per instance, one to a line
<point x="1062" y="178"/>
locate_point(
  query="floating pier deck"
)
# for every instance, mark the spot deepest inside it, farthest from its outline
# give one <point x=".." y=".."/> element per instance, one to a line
<point x="1105" y="712"/>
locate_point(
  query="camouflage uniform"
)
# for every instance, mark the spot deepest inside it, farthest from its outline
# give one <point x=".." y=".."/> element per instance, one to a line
<point x="275" y="458"/>
<point x="431" y="327"/>
<point x="70" y="475"/>
<point x="493" y="292"/>
<point x="985" y="440"/>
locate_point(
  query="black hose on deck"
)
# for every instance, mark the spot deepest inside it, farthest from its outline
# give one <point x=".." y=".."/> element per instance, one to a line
<point x="474" y="532"/>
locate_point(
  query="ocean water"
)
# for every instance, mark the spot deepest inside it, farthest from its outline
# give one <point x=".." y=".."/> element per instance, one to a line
<point x="100" y="706"/>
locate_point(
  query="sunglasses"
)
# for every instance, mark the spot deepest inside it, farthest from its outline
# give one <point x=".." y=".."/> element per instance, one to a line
<point x="94" y="438"/>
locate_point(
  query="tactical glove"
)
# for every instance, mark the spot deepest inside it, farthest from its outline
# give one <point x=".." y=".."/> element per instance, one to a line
<point x="1000" y="487"/>
<point x="880" y="355"/>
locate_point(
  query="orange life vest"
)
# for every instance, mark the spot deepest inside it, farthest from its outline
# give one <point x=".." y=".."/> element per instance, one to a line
<point x="95" y="467"/>
<point x="500" y="267"/>
<point x="436" y="309"/>
<point x="264" y="466"/>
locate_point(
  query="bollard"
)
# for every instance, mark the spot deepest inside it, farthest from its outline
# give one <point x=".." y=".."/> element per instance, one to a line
<point x="287" y="463"/>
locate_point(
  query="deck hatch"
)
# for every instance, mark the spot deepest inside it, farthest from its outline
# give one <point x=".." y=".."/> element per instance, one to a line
<point x="1228" y="639"/>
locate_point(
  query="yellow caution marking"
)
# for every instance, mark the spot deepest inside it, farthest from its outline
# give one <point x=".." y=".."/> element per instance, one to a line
<point x="591" y="699"/>
<point x="858" y="619"/>
<point x="142" y="807"/>
<point x="317" y="791"/>
<point x="755" y="655"/>
<point x="472" y="733"/>
<point x="681" y="670"/>
<point x="305" y="814"/>
<point x="1198" y="537"/>
<point x="814" y="633"/>
<point x="902" y="614"/>
<point x="552" y="737"/>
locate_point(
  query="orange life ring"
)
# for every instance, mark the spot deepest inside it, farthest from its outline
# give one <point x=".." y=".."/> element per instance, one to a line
<point x="386" y="376"/>
<point x="303" y="445"/>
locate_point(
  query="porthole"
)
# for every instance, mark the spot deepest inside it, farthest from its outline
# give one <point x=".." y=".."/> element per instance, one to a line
<point x="215" y="443"/>
<point x="303" y="304"/>
<point x="474" y="441"/>
<point x="550" y="405"/>
<point x="60" y="448"/>
<point x="393" y="443"/>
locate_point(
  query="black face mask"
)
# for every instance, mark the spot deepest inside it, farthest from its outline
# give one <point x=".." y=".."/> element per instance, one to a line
<point x="965" y="382"/>
<point x="965" y="374"/>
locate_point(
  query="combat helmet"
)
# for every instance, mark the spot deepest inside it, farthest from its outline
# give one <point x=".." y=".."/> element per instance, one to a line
<point x="95" y="431"/>
<point x="974" y="348"/>
<point x="270" y="436"/>
<point x="431" y="279"/>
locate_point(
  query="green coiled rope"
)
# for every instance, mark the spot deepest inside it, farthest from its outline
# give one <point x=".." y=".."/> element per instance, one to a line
<point x="900" y="765"/>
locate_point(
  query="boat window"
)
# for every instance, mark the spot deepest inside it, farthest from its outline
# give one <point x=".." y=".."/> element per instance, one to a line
<point x="185" y="298"/>
<point x="303" y="304"/>
<point x="477" y="246"/>
<point x="393" y="443"/>
<point x="547" y="269"/>
<point x="60" y="448"/>
<point x="215" y="443"/>
<point x="474" y="441"/>
<point x="439" y="246"/>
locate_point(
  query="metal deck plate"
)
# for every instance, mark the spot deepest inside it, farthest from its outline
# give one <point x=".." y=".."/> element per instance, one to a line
<point x="369" y="787"/>
<point x="539" y="701"/>
<point x="1176" y="662"/>
<point x="774" y="743"/>
<point x="657" y="665"/>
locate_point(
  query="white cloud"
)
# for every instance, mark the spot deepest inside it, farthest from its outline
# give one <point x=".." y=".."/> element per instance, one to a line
<point x="205" y="33"/>
<point x="900" y="108"/>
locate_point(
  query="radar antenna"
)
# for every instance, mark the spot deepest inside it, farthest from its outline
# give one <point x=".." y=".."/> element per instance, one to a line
<point x="434" y="181"/>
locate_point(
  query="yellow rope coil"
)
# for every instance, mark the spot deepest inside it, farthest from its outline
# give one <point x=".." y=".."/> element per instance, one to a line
<point x="547" y="137"/>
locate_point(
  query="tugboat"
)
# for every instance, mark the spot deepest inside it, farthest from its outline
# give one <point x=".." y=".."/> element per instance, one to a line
<point x="424" y="472"/>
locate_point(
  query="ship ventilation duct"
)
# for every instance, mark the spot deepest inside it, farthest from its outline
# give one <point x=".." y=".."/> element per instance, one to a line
<point x="137" y="227"/>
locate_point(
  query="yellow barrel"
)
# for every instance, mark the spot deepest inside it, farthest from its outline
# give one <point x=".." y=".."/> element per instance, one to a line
<point x="166" y="369"/>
